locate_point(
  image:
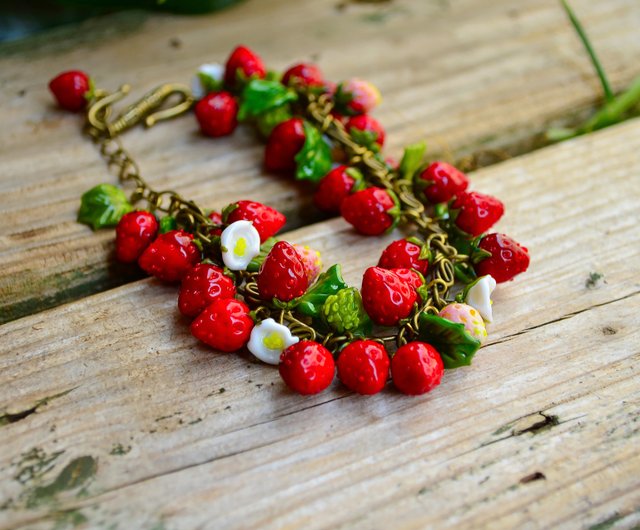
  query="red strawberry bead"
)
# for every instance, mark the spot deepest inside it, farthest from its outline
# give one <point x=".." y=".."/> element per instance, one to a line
<point x="334" y="187"/>
<point x="266" y="220"/>
<point x="70" y="89"/>
<point x="403" y="254"/>
<point x="285" y="140"/>
<point x="242" y="63"/>
<point x="477" y="212"/>
<point x="392" y="163"/>
<point x="282" y="274"/>
<point x="305" y="74"/>
<point x="368" y="211"/>
<point x="416" y="368"/>
<point x="411" y="277"/>
<point x="356" y="96"/>
<point x="441" y="182"/>
<point x="339" y="117"/>
<point x="363" y="366"/>
<point x="386" y="297"/>
<point x="134" y="232"/>
<point x="367" y="123"/>
<point x="216" y="217"/>
<point x="225" y="325"/>
<point x="508" y="258"/>
<point x="217" y="114"/>
<point x="170" y="256"/>
<point x="203" y="285"/>
<point x="307" y="367"/>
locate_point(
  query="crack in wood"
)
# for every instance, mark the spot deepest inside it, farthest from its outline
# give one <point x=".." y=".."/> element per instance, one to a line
<point x="607" y="330"/>
<point x="536" y="475"/>
<point x="9" y="417"/>
<point x="534" y="423"/>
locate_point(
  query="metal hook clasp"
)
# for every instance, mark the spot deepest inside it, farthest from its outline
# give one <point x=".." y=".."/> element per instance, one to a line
<point x="141" y="111"/>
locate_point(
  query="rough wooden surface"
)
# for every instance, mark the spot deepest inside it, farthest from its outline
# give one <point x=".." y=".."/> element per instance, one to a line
<point x="466" y="75"/>
<point x="116" y="417"/>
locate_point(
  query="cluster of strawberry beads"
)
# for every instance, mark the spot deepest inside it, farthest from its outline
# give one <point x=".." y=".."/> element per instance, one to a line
<point x="249" y="290"/>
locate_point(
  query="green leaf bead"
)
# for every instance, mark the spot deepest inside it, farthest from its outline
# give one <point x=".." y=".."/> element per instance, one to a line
<point x="269" y="119"/>
<point x="103" y="205"/>
<point x="327" y="284"/>
<point x="454" y="344"/>
<point x="313" y="161"/>
<point x="412" y="159"/>
<point x="167" y="223"/>
<point x="261" y="95"/>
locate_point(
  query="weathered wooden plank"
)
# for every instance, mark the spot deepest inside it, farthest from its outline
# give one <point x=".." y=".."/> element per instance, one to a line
<point x="461" y="457"/>
<point x="461" y="75"/>
<point x="185" y="437"/>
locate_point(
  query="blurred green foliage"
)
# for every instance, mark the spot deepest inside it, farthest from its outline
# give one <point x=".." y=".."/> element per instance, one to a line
<point x="19" y="18"/>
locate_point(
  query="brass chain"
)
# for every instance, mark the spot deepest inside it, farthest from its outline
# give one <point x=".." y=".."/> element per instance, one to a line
<point x="187" y="213"/>
<point x="317" y="109"/>
<point x="443" y="254"/>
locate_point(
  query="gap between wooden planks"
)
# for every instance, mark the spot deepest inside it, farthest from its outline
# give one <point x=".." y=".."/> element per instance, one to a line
<point x="464" y="75"/>
<point x="188" y="438"/>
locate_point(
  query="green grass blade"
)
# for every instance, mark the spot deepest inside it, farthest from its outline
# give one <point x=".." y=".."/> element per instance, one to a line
<point x="608" y="93"/>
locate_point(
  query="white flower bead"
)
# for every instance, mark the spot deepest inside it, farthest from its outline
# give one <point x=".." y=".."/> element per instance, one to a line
<point x="214" y="71"/>
<point x="269" y="339"/>
<point x="479" y="296"/>
<point x="240" y="244"/>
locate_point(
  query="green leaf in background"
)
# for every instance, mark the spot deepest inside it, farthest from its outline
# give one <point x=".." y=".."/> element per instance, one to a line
<point x="616" y="107"/>
<point x="412" y="159"/>
<point x="176" y="6"/>
<point x="268" y="120"/>
<point x="328" y="283"/>
<point x="103" y="206"/>
<point x="454" y="344"/>
<point x="313" y="161"/>
<point x="260" y="96"/>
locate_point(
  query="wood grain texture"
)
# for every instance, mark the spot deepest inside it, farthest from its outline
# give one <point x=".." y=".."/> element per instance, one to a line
<point x="465" y="75"/>
<point x="541" y="432"/>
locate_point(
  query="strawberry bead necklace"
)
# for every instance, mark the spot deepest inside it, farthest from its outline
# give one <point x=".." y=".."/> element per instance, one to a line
<point x="422" y="308"/>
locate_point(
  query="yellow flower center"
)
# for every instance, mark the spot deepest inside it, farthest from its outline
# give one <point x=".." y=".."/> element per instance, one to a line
<point x="273" y="341"/>
<point x="240" y="247"/>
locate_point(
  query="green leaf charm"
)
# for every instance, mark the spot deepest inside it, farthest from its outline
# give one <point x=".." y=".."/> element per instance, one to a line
<point x="412" y="159"/>
<point x="103" y="206"/>
<point x="328" y="283"/>
<point x="343" y="312"/>
<point x="260" y="96"/>
<point x="455" y="345"/>
<point x="313" y="161"/>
